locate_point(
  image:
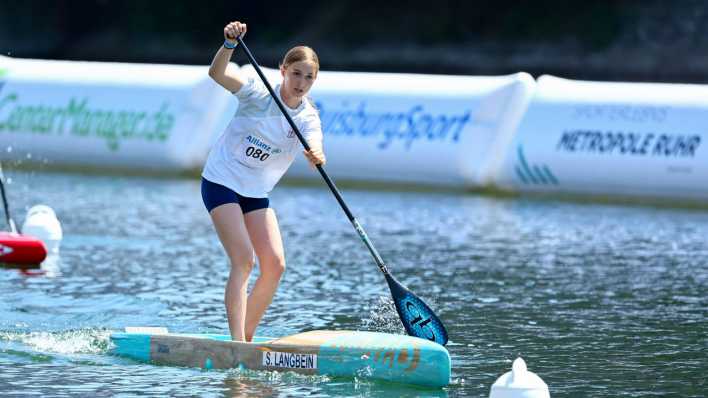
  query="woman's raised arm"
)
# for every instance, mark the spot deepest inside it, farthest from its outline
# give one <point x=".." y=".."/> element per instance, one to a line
<point x="219" y="69"/>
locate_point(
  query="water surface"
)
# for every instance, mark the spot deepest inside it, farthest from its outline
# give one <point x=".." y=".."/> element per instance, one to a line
<point x="600" y="300"/>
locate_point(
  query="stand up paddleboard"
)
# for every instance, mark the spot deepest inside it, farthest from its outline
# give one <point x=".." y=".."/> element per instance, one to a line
<point x="372" y="355"/>
<point x="21" y="251"/>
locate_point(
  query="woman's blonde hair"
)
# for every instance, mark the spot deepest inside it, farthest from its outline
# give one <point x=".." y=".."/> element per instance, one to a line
<point x="300" y="53"/>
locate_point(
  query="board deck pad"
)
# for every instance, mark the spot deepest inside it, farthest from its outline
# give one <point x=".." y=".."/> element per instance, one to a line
<point x="384" y="356"/>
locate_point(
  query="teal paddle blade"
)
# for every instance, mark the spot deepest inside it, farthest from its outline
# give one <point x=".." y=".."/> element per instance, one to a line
<point x="417" y="317"/>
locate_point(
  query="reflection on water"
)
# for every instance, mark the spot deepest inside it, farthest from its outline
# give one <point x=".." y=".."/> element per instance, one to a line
<point x="600" y="300"/>
<point x="236" y="387"/>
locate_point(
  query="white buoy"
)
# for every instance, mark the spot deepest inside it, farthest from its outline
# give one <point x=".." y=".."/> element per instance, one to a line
<point x="42" y="223"/>
<point x="519" y="383"/>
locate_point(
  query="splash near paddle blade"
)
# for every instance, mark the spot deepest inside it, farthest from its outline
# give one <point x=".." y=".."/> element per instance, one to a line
<point x="418" y="319"/>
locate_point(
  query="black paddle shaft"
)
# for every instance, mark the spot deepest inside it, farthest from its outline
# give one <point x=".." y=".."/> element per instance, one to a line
<point x="330" y="183"/>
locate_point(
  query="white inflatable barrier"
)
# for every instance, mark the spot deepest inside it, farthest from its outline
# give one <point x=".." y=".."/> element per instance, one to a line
<point x="601" y="138"/>
<point x="421" y="129"/>
<point x="108" y="115"/>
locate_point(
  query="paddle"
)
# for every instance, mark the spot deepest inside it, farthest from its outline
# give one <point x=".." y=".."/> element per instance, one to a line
<point x="10" y="222"/>
<point x="417" y="317"/>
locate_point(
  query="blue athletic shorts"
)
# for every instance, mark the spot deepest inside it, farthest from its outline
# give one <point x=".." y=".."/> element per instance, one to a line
<point x="215" y="195"/>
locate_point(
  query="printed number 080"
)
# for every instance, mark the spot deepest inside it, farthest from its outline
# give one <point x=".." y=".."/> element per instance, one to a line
<point x="257" y="153"/>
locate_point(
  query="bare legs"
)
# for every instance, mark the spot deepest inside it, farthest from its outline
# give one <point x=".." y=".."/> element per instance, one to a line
<point x="231" y="228"/>
<point x="263" y="229"/>
<point x="240" y="235"/>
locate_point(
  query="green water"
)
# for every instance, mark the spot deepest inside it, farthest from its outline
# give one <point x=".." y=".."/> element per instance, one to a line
<point x="600" y="300"/>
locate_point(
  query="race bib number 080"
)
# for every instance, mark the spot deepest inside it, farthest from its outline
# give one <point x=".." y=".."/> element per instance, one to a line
<point x="255" y="151"/>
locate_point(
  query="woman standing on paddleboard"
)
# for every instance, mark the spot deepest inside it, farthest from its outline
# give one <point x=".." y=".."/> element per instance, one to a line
<point x="244" y="165"/>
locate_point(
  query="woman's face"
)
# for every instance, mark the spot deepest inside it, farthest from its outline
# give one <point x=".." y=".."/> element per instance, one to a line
<point x="298" y="78"/>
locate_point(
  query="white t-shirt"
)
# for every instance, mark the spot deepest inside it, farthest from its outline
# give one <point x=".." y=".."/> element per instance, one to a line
<point x="258" y="146"/>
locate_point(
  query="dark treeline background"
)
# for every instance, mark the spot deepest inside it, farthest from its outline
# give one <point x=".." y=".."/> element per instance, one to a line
<point x="633" y="40"/>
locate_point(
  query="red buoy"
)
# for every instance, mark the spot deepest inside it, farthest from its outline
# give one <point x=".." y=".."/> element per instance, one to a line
<point x="21" y="251"/>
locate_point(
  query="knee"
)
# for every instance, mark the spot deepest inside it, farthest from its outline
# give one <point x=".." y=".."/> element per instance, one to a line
<point x="274" y="268"/>
<point x="242" y="262"/>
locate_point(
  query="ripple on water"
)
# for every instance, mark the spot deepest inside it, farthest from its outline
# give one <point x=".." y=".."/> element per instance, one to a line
<point x="600" y="300"/>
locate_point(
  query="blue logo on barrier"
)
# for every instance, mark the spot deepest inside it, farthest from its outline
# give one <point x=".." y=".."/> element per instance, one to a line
<point x="416" y="124"/>
<point x="533" y="174"/>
